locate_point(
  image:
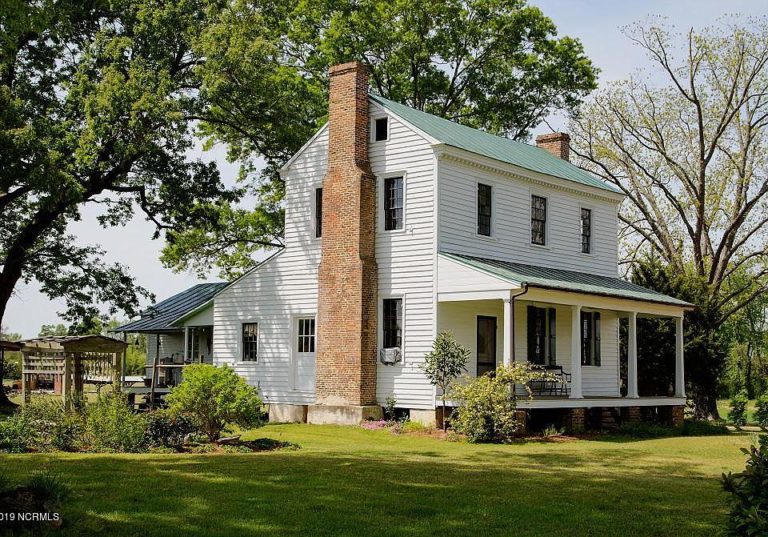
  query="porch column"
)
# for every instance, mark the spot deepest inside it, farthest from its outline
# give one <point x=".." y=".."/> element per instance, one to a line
<point x="186" y="344"/>
<point x="576" y="352"/>
<point x="632" y="356"/>
<point x="508" y="337"/>
<point x="679" y="360"/>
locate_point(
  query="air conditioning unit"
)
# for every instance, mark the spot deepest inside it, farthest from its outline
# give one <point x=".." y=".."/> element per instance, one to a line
<point x="390" y="356"/>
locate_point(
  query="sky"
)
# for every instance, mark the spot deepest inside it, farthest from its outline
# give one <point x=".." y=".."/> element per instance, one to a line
<point x="597" y="23"/>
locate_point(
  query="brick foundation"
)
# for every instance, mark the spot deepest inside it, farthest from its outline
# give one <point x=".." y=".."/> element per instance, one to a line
<point x="575" y="419"/>
<point x="347" y="277"/>
<point x="522" y="421"/>
<point x="634" y="414"/>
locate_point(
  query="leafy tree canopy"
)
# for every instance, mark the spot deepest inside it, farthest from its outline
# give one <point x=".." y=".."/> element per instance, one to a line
<point x="493" y="64"/>
<point x="96" y="101"/>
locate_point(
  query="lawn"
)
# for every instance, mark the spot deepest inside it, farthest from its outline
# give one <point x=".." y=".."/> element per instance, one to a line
<point x="349" y="481"/>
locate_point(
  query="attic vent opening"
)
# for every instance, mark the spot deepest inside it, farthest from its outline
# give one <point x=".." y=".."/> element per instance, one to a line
<point x="381" y="129"/>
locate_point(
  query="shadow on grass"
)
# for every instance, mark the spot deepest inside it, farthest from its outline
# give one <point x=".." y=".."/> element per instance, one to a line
<point x="489" y="492"/>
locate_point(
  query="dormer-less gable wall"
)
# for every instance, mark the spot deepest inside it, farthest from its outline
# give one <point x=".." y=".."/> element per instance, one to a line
<point x="510" y="238"/>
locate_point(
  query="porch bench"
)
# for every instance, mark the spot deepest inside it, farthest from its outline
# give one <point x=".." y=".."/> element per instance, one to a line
<point x="557" y="387"/>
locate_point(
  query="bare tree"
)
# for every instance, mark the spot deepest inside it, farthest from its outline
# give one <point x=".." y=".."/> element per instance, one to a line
<point x="686" y="143"/>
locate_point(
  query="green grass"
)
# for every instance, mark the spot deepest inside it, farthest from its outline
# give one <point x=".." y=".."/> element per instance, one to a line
<point x="350" y="481"/>
<point x="724" y="406"/>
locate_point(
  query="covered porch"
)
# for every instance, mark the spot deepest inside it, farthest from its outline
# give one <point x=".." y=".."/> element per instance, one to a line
<point x="564" y="322"/>
<point x="179" y="333"/>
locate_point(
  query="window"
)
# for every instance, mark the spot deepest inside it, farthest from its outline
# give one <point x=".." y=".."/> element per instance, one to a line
<point x="538" y="220"/>
<point x="306" y="335"/>
<point x="393" y="203"/>
<point x="193" y="345"/>
<point x="542" y="333"/>
<point x="393" y="323"/>
<point x="380" y="129"/>
<point x="484" y="204"/>
<point x="590" y="338"/>
<point x="586" y="230"/>
<point x="250" y="342"/>
<point x="318" y="212"/>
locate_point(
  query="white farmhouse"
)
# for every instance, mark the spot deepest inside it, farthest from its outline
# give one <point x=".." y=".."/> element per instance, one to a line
<point x="400" y="225"/>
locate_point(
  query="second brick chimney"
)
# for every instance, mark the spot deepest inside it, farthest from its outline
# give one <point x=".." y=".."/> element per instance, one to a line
<point x="557" y="143"/>
<point x="347" y="279"/>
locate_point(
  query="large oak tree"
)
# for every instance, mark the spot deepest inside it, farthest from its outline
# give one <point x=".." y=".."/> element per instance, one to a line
<point x="94" y="104"/>
<point x="687" y="143"/>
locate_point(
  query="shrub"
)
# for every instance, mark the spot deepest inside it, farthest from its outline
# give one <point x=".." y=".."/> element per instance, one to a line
<point x="738" y="411"/>
<point x="112" y="426"/>
<point x="749" y="495"/>
<point x="761" y="411"/>
<point x="167" y="429"/>
<point x="215" y="397"/>
<point x="390" y="408"/>
<point x="703" y="428"/>
<point x="54" y="426"/>
<point x="551" y="431"/>
<point x="16" y="434"/>
<point x="487" y="404"/>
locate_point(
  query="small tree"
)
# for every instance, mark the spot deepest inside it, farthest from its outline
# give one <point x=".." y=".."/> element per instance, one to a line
<point x="738" y="412"/>
<point x="761" y="411"/>
<point x="216" y="397"/>
<point x="446" y="361"/>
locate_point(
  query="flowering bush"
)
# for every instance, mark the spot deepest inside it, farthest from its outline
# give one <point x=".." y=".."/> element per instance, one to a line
<point x="374" y="425"/>
<point x="487" y="405"/>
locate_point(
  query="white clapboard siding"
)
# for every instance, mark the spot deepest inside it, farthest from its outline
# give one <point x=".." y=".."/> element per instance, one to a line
<point x="406" y="258"/>
<point x="511" y="212"/>
<point x="460" y="318"/>
<point x="169" y="344"/>
<point x="278" y="291"/>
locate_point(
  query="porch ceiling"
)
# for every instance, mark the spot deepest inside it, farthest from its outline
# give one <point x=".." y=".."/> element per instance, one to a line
<point x="517" y="275"/>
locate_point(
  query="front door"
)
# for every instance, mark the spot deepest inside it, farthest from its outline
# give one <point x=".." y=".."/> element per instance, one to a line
<point x="486" y="344"/>
<point x="304" y="354"/>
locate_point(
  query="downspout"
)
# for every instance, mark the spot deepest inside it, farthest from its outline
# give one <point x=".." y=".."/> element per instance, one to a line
<point x="524" y="287"/>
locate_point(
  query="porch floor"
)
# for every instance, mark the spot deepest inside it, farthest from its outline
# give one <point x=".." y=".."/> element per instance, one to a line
<point x="598" y="401"/>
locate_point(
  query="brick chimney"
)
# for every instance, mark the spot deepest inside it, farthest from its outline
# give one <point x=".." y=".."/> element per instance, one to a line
<point x="347" y="279"/>
<point x="557" y="143"/>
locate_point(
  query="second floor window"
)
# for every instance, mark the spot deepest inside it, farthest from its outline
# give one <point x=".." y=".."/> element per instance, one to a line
<point x="484" y="204"/>
<point x="393" y="203"/>
<point x="586" y="231"/>
<point x="318" y="212"/>
<point x="538" y="220"/>
<point x="381" y="128"/>
<point x="393" y="322"/>
<point x="250" y="342"/>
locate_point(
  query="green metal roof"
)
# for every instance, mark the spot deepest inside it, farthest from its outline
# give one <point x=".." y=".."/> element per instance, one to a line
<point x="162" y="315"/>
<point x="565" y="280"/>
<point x="503" y="149"/>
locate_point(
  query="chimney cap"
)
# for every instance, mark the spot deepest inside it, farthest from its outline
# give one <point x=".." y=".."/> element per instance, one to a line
<point x="343" y="68"/>
<point x="553" y="137"/>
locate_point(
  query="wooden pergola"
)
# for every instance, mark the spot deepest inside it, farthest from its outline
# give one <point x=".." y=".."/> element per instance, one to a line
<point x="72" y="361"/>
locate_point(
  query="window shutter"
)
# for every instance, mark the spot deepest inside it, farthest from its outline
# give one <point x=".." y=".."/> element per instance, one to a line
<point x="552" y="321"/>
<point x="531" y="334"/>
<point x="585" y="340"/>
<point x="596" y="336"/>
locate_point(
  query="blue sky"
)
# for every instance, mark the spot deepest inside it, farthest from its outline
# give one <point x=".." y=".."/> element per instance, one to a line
<point x="597" y="23"/>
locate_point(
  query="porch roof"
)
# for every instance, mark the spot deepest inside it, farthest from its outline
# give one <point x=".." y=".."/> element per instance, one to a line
<point x="163" y="315"/>
<point x="563" y="280"/>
